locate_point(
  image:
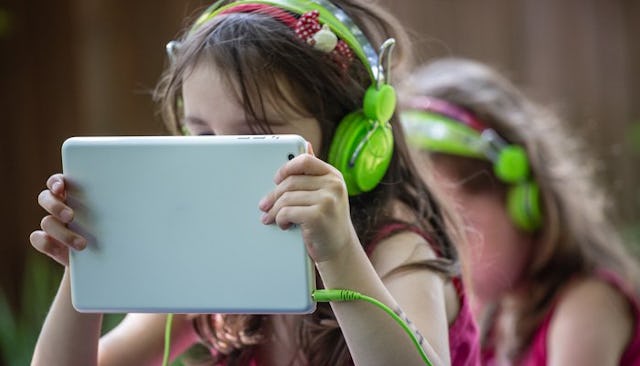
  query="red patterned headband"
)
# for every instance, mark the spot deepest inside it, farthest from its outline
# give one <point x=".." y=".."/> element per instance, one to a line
<point x="307" y="27"/>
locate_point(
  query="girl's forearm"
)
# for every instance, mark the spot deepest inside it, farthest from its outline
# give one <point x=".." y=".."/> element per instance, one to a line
<point x="67" y="337"/>
<point x="372" y="336"/>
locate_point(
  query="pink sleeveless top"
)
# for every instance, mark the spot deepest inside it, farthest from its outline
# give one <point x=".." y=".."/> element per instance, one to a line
<point x="537" y="353"/>
<point x="464" y="339"/>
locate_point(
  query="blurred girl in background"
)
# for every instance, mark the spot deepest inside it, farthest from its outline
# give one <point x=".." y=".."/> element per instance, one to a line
<point x="551" y="281"/>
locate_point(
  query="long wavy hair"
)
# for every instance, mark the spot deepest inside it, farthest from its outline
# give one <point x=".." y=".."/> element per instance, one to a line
<point x="258" y="54"/>
<point x="577" y="237"/>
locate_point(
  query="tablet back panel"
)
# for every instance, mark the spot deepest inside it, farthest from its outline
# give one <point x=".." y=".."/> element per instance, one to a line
<point x="173" y="226"/>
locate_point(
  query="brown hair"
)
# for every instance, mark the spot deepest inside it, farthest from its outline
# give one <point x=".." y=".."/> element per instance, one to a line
<point x="259" y="54"/>
<point x="576" y="237"/>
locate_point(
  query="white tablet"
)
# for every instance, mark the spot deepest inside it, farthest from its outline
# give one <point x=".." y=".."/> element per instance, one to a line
<point x="173" y="226"/>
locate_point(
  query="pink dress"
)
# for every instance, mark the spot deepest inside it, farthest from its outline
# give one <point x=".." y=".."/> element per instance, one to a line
<point x="537" y="353"/>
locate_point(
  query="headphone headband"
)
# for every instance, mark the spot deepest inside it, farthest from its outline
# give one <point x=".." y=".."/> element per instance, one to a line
<point x="447" y="109"/>
<point x="337" y="19"/>
<point x="438" y="125"/>
<point x="439" y="133"/>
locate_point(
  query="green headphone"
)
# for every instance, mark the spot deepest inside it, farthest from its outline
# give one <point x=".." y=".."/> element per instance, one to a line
<point x="362" y="146"/>
<point x="439" y="126"/>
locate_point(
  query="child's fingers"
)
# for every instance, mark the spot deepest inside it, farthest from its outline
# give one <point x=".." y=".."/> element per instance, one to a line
<point x="53" y="205"/>
<point x="304" y="164"/>
<point x="49" y="246"/>
<point x="291" y="183"/>
<point x="310" y="148"/>
<point x="57" y="230"/>
<point x="291" y="215"/>
<point x="289" y="199"/>
<point x="56" y="185"/>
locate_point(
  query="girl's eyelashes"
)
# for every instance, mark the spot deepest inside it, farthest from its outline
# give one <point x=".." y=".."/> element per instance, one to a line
<point x="195" y="130"/>
<point x="190" y="131"/>
<point x="196" y="126"/>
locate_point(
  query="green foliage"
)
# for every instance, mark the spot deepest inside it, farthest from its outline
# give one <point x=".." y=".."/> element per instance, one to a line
<point x="19" y="331"/>
<point x="5" y="23"/>
<point x="634" y="136"/>
<point x="631" y="235"/>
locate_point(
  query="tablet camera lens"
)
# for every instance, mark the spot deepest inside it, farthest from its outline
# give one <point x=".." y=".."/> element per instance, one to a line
<point x="291" y="156"/>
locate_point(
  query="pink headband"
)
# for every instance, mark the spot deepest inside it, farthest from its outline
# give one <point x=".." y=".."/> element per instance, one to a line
<point x="447" y="109"/>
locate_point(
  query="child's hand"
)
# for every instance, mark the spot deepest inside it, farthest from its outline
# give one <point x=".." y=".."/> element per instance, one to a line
<point x="312" y="194"/>
<point x="55" y="238"/>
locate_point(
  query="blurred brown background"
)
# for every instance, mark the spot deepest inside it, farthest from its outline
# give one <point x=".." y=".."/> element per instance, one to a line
<point x="86" y="67"/>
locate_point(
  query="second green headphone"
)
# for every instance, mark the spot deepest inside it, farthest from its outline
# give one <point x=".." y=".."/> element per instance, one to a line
<point x="436" y="125"/>
<point x="362" y="146"/>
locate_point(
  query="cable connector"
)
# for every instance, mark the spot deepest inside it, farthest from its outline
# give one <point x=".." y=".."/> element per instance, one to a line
<point x="326" y="295"/>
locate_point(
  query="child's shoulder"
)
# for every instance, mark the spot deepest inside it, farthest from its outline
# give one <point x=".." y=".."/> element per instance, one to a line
<point x="410" y="246"/>
<point x="593" y="295"/>
<point x="594" y="318"/>
<point x="399" y="248"/>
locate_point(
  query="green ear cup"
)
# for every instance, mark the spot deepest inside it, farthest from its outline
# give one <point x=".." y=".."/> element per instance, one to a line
<point x="379" y="103"/>
<point x="344" y="142"/>
<point x="338" y="154"/>
<point x="512" y="165"/>
<point x="371" y="162"/>
<point x="523" y="204"/>
<point x="359" y="136"/>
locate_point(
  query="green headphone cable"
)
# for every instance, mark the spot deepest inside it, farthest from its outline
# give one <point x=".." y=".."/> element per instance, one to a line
<point x="350" y="295"/>
<point x="167" y="340"/>
<point x="326" y="295"/>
